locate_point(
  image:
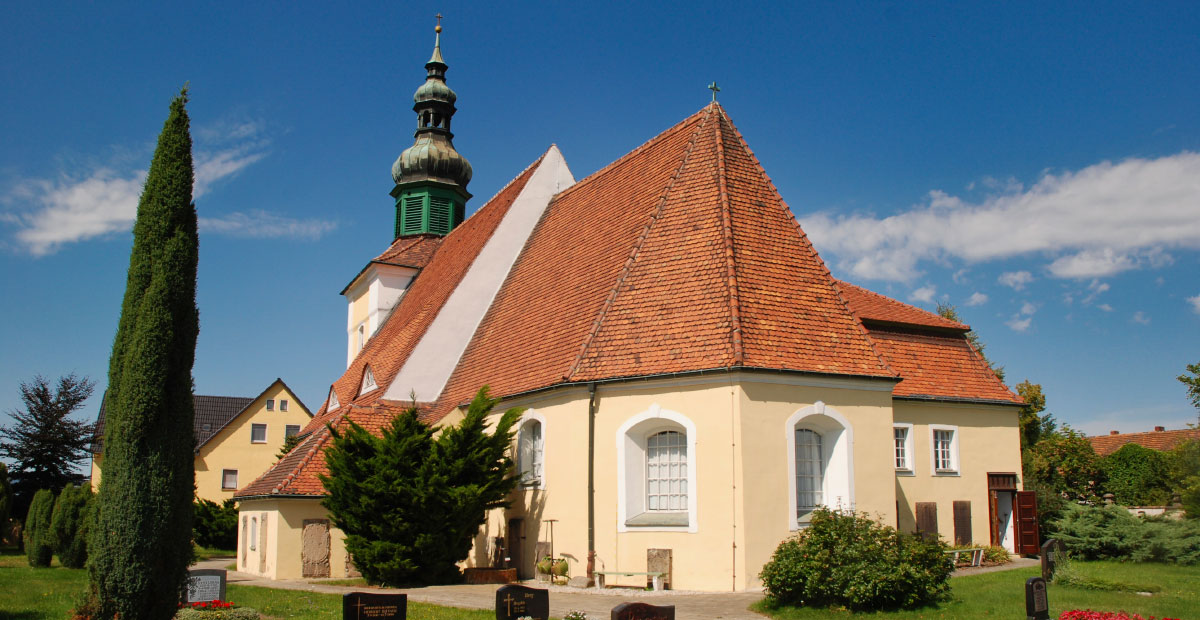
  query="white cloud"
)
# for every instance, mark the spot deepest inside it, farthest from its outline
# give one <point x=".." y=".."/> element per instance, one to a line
<point x="1098" y="221"/>
<point x="1096" y="287"/>
<point x="1028" y="309"/>
<point x="52" y="212"/>
<point x="1105" y="307"/>
<point x="1018" y="324"/>
<point x="263" y="224"/>
<point x="1195" y="301"/>
<point x="976" y="299"/>
<point x="1140" y="318"/>
<point x="924" y="294"/>
<point x="1015" y="279"/>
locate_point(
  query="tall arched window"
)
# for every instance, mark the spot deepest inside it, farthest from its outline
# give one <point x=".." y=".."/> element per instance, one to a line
<point x="666" y="471"/>
<point x="810" y="471"/>
<point x="530" y="453"/>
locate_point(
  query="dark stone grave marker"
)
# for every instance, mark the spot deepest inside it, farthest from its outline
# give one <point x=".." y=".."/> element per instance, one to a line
<point x="514" y="602"/>
<point x="205" y="584"/>
<point x="1037" y="607"/>
<point x="1052" y="554"/>
<point x="374" y="606"/>
<point x="643" y="611"/>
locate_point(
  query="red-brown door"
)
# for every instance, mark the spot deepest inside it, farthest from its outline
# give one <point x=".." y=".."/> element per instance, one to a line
<point x="1028" y="540"/>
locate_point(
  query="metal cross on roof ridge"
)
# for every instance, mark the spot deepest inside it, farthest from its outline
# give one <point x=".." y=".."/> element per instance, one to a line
<point x="715" y="89"/>
<point x="439" y="24"/>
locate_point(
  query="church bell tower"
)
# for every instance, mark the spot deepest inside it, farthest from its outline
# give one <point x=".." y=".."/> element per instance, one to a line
<point x="431" y="177"/>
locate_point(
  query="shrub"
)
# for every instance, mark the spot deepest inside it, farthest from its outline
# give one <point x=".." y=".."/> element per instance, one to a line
<point x="1184" y="460"/>
<point x="38" y="544"/>
<point x="71" y="513"/>
<point x="216" y="613"/>
<point x="1087" y="614"/>
<point x="992" y="555"/>
<point x="1111" y="533"/>
<point x="850" y="560"/>
<point x="215" y="525"/>
<point x="1137" y="476"/>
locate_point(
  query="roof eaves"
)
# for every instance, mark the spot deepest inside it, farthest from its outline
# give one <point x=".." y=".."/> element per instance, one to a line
<point x="237" y="415"/>
<point x="958" y="399"/>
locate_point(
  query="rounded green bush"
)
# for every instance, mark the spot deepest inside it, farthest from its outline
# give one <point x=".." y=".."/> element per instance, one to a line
<point x="849" y="560"/>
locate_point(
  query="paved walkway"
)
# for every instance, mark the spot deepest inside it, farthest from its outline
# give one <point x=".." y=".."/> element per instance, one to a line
<point x="597" y="604"/>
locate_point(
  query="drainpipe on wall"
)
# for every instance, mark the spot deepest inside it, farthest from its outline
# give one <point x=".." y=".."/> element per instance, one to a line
<point x="733" y="422"/>
<point x="591" y="475"/>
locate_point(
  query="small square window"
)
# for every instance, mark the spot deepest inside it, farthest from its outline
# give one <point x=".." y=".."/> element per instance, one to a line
<point x="282" y="405"/>
<point x="270" y="404"/>
<point x="229" y="479"/>
<point x="258" y="433"/>
<point x="291" y="430"/>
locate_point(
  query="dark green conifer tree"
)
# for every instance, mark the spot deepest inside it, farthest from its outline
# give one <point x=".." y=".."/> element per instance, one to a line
<point x="141" y="542"/>
<point x="6" y="501"/>
<point x="69" y="518"/>
<point x="38" y="545"/>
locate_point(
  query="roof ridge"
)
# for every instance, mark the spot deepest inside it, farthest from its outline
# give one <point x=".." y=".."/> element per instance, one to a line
<point x="510" y="182"/>
<point x="735" y="316"/>
<point x="641" y="240"/>
<point x="812" y="250"/>
<point x="645" y="145"/>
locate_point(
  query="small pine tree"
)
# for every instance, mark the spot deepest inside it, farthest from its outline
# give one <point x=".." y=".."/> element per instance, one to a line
<point x="38" y="544"/>
<point x="289" y="442"/>
<point x="6" y="500"/>
<point x="435" y="492"/>
<point x="69" y="518"/>
<point x="141" y="545"/>
<point x="215" y="525"/>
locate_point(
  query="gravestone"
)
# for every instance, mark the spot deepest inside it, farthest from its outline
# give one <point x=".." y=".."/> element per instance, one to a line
<point x="1037" y="607"/>
<point x="373" y="606"/>
<point x="1052" y="554"/>
<point x="643" y="611"/>
<point x="205" y="584"/>
<point x="514" y="602"/>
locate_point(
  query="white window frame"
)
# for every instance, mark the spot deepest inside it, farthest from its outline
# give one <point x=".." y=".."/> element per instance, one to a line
<point x="270" y="404"/>
<point x="907" y="469"/>
<point x="283" y="404"/>
<point x="955" y="467"/>
<point x="333" y="402"/>
<point x="368" y="381"/>
<point x="225" y="475"/>
<point x="837" y="442"/>
<point x="529" y="418"/>
<point x="254" y="428"/>
<point x="631" y="439"/>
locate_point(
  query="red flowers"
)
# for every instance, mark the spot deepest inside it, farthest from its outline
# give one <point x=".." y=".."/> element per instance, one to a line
<point x="1087" y="614"/>
<point x="213" y="604"/>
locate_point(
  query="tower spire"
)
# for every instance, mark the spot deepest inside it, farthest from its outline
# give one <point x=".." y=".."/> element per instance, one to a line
<point x="431" y="176"/>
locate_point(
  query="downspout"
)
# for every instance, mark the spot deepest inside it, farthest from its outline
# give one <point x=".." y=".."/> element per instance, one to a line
<point x="591" y="477"/>
<point x="733" y="423"/>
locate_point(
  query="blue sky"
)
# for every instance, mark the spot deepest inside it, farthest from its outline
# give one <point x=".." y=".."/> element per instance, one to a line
<point x="1036" y="165"/>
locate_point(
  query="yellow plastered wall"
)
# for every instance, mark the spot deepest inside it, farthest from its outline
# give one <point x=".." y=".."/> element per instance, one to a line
<point x="988" y="441"/>
<point x="284" y="520"/>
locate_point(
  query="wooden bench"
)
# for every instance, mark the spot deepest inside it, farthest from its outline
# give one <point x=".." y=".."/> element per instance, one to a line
<point x="656" y="578"/>
<point x="976" y="556"/>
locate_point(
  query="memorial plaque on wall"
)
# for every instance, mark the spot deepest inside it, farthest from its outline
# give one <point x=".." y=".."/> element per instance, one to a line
<point x="643" y="611"/>
<point x="1037" y="606"/>
<point x="514" y="602"/>
<point x="372" y="606"/>
<point x="205" y="584"/>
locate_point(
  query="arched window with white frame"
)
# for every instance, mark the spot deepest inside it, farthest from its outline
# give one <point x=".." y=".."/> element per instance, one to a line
<point x="656" y="478"/>
<point x="531" y="451"/>
<point x="820" y="444"/>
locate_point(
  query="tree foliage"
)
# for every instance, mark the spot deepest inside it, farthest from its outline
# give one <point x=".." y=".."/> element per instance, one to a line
<point x="69" y="525"/>
<point x="1061" y="468"/>
<point x="39" y="547"/>
<point x="141" y="544"/>
<point x="409" y="503"/>
<point x="1034" y="425"/>
<point x="1185" y="472"/>
<point x="1191" y="379"/>
<point x="45" y="443"/>
<point x="289" y="442"/>
<point x="6" y="501"/>
<point x="949" y="312"/>
<point x="215" y="525"/>
<point x="850" y="560"/>
<point x="1111" y="533"/>
<point x="1137" y="476"/>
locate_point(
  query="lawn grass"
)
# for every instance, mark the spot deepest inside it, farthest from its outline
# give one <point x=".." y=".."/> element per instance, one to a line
<point x="1002" y="595"/>
<point x="294" y="604"/>
<point x="205" y="553"/>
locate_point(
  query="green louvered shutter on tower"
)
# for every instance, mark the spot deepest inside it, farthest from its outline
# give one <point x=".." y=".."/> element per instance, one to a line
<point x="439" y="215"/>
<point x="412" y="215"/>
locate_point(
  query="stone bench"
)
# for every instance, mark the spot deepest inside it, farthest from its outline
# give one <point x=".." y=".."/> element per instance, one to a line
<point x="656" y="578"/>
<point x="976" y="556"/>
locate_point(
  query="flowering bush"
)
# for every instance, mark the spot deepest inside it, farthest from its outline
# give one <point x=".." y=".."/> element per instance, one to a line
<point x="214" y="610"/>
<point x="213" y="604"/>
<point x="1087" y="614"/>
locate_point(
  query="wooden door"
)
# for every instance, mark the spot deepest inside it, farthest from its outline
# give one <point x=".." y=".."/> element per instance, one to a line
<point x="962" y="523"/>
<point x="994" y="517"/>
<point x="1028" y="538"/>
<point x="927" y="520"/>
<point x="314" y="548"/>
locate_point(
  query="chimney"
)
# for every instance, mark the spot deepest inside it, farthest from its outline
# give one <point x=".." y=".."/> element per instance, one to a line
<point x="1159" y="429"/>
<point x="1114" y="432"/>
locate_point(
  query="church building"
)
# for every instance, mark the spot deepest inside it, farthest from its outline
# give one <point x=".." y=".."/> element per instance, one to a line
<point x="696" y="381"/>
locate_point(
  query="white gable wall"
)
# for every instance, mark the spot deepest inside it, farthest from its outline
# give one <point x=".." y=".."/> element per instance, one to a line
<point x="435" y="356"/>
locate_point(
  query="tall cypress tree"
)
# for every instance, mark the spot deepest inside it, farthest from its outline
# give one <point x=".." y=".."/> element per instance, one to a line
<point x="141" y="543"/>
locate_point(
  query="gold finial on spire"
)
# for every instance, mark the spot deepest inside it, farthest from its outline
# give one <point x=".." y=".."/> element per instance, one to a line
<point x="438" y="27"/>
<point x="716" y="89"/>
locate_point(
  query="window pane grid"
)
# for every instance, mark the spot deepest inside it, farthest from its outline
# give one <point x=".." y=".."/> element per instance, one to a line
<point x="809" y="471"/>
<point x="941" y="450"/>
<point x="666" y="471"/>
<point x="901" y="438"/>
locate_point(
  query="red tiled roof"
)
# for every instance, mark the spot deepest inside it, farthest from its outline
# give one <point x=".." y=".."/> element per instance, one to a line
<point x="873" y="307"/>
<point x="410" y="251"/>
<point x="1155" y="440"/>
<point x="939" y="366"/>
